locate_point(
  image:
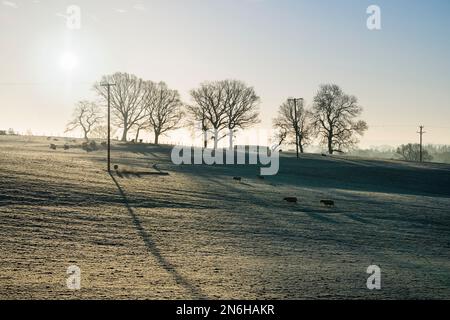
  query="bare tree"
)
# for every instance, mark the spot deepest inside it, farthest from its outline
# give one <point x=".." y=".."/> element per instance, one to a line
<point x="163" y="108"/>
<point x="240" y="104"/>
<point x="281" y="134"/>
<point x="411" y="152"/>
<point x="334" y="114"/>
<point x="127" y="99"/>
<point x="287" y="125"/>
<point x="86" y="116"/>
<point x="209" y="103"/>
<point x="226" y="104"/>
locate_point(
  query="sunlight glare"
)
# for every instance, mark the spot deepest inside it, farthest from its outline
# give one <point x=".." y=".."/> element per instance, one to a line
<point x="68" y="61"/>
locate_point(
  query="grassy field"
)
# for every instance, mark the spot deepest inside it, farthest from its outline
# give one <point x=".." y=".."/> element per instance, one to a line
<point x="197" y="233"/>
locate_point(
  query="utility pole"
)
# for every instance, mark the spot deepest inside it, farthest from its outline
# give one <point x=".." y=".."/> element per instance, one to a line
<point x="109" y="85"/>
<point x="421" y="132"/>
<point x="296" y="122"/>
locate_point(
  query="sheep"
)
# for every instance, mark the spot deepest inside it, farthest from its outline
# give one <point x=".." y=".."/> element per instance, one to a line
<point x="237" y="178"/>
<point x="93" y="145"/>
<point x="116" y="167"/>
<point x="66" y="147"/>
<point x="328" y="203"/>
<point x="53" y="146"/>
<point x="291" y="199"/>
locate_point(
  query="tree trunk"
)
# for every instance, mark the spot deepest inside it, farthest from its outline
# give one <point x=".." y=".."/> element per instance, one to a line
<point x="231" y="139"/>
<point x="124" y="134"/>
<point x="86" y="136"/>
<point x="156" y="138"/>
<point x="216" y="138"/>
<point x="330" y="145"/>
<point x="205" y="139"/>
<point x="137" y="134"/>
<point x="300" y="145"/>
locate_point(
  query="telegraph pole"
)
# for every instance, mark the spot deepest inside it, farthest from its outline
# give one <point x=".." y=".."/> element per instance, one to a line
<point x="108" y="86"/>
<point x="421" y="132"/>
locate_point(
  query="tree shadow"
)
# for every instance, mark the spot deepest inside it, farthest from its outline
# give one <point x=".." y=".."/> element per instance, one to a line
<point x="195" y="292"/>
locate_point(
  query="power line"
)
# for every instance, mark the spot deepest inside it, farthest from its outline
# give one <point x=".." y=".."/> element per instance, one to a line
<point x="29" y="84"/>
<point x="406" y="126"/>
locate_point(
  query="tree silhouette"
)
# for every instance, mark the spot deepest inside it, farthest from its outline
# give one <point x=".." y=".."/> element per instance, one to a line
<point x="162" y="108"/>
<point x="226" y="104"/>
<point x="334" y="114"/>
<point x="287" y="125"/>
<point x="127" y="99"/>
<point x="411" y="152"/>
<point x="86" y="116"/>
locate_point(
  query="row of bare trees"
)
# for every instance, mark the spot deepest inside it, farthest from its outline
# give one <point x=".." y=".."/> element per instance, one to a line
<point x="332" y="119"/>
<point x="141" y="105"/>
<point x="221" y="108"/>
<point x="135" y="104"/>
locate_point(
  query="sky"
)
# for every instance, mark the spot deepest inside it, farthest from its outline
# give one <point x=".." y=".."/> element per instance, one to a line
<point x="283" y="48"/>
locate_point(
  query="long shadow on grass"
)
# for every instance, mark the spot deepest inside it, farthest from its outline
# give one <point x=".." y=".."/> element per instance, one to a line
<point x="195" y="292"/>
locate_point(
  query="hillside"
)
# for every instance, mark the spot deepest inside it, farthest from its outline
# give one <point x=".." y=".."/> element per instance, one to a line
<point x="197" y="233"/>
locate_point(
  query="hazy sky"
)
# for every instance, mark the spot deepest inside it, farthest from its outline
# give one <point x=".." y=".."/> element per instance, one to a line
<point x="401" y="74"/>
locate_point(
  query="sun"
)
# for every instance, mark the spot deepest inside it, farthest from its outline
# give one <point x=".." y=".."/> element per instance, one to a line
<point x="68" y="61"/>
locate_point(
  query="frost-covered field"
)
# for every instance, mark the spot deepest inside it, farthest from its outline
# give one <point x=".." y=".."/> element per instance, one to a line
<point x="197" y="233"/>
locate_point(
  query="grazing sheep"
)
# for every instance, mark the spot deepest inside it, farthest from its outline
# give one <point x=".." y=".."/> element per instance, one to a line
<point x="93" y="145"/>
<point x="237" y="178"/>
<point x="116" y="167"/>
<point x="53" y="146"/>
<point x="66" y="147"/>
<point x="324" y="155"/>
<point x="291" y="199"/>
<point x="328" y="203"/>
